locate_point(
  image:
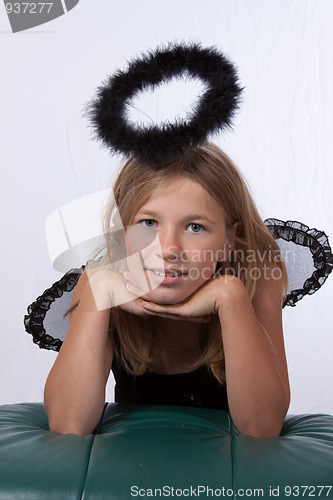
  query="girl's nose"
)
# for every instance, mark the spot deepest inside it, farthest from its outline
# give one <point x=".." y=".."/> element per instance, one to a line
<point x="170" y="244"/>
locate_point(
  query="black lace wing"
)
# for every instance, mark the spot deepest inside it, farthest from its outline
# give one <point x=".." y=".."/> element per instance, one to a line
<point x="45" y="320"/>
<point x="307" y="255"/>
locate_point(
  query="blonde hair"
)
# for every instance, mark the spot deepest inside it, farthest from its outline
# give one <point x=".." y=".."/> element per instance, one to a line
<point x="222" y="180"/>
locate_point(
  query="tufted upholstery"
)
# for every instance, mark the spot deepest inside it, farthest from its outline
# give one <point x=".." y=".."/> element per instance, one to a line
<point x="148" y="447"/>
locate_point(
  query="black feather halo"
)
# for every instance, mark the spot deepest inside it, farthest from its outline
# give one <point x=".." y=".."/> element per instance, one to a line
<point x="152" y="144"/>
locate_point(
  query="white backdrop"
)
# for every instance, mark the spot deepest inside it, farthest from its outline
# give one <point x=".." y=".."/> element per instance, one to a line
<point x="282" y="142"/>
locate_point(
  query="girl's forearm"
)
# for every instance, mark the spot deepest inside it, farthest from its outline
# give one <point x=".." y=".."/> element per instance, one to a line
<point x="74" y="393"/>
<point x="258" y="398"/>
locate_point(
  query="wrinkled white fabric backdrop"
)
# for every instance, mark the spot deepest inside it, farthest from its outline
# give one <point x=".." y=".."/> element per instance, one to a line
<point x="282" y="142"/>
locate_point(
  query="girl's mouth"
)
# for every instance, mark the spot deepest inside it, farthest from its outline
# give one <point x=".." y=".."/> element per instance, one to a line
<point x="166" y="277"/>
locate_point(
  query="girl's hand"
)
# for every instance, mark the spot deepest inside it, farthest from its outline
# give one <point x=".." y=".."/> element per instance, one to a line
<point x="106" y="289"/>
<point x="198" y="307"/>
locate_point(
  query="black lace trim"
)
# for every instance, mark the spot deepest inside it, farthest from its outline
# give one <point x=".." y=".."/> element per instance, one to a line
<point x="317" y="242"/>
<point x="34" y="320"/>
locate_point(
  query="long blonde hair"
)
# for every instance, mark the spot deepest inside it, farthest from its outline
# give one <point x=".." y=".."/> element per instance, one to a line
<point x="254" y="249"/>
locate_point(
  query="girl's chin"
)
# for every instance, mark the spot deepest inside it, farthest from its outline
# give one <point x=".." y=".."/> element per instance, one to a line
<point x="168" y="297"/>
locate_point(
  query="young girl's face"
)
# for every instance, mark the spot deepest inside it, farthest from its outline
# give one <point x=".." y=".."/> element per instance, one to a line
<point x="186" y="233"/>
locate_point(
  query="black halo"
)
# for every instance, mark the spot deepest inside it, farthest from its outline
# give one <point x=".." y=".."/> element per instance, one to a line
<point x="152" y="144"/>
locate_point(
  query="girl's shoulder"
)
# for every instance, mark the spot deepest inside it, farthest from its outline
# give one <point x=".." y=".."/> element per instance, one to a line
<point x="270" y="288"/>
<point x="80" y="286"/>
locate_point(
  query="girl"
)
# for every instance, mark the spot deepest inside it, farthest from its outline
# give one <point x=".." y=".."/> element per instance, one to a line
<point x="200" y="324"/>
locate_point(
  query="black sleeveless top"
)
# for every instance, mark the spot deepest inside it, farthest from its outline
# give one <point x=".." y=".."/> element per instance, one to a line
<point x="198" y="388"/>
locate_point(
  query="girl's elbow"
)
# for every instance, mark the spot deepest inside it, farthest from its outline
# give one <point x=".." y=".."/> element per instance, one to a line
<point x="62" y="426"/>
<point x="68" y="422"/>
<point x="266" y="430"/>
<point x="264" y="425"/>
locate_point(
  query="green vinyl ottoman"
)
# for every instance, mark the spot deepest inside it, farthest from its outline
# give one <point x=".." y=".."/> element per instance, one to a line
<point x="162" y="452"/>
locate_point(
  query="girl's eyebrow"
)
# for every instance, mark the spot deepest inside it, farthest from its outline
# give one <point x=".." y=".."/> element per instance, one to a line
<point x="202" y="217"/>
<point x="147" y="212"/>
<point x="190" y="217"/>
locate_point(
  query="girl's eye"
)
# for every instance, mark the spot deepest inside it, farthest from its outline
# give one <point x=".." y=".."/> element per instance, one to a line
<point x="196" y="228"/>
<point x="148" y="223"/>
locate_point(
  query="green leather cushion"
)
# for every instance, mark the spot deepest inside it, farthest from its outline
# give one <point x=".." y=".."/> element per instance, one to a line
<point x="139" y="448"/>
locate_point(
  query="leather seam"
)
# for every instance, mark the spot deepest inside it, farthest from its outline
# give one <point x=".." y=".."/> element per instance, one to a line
<point x="232" y="466"/>
<point x="232" y="454"/>
<point x="87" y="468"/>
<point x="97" y="431"/>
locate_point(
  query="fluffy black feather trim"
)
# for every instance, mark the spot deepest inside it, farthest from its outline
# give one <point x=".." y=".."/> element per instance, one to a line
<point x="152" y="144"/>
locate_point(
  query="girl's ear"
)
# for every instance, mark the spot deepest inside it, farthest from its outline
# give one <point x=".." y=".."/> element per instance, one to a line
<point x="230" y="239"/>
<point x="232" y="233"/>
